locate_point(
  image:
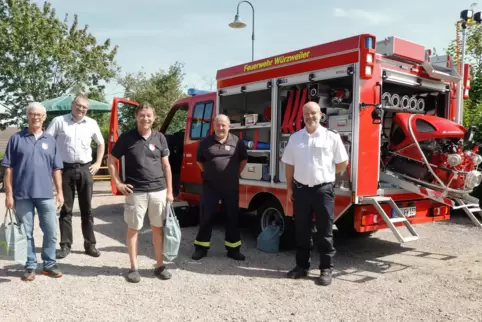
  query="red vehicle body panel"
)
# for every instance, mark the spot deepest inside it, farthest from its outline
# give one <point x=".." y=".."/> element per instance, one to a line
<point x="337" y="53"/>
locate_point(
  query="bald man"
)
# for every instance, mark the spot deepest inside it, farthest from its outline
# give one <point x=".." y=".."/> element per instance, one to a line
<point x="221" y="157"/>
<point x="313" y="157"/>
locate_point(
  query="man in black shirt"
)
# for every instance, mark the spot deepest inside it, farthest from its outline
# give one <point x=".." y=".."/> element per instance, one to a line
<point x="147" y="186"/>
<point x="221" y="157"/>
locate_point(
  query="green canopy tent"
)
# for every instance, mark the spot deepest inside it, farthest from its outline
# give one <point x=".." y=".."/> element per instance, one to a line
<point x="63" y="105"/>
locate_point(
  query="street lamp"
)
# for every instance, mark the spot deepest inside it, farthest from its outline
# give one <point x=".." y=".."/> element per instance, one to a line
<point x="238" y="24"/>
<point x="467" y="19"/>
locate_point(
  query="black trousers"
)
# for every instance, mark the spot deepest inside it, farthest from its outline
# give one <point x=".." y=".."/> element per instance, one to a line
<point x="209" y="207"/>
<point x="77" y="177"/>
<point x="319" y="200"/>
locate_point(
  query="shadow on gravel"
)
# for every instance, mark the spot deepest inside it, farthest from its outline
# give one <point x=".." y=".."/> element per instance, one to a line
<point x="357" y="260"/>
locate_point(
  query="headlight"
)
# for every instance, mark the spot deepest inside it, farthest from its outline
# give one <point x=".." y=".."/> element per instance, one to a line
<point x="473" y="179"/>
<point x="454" y="159"/>
<point x="477" y="159"/>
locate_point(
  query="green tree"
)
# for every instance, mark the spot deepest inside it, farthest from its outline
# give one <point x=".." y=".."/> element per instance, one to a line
<point x="473" y="56"/>
<point x="161" y="89"/>
<point x="44" y="57"/>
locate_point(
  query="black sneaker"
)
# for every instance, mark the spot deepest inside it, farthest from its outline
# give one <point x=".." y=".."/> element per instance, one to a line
<point x="52" y="271"/>
<point x="92" y="251"/>
<point x="199" y="253"/>
<point x="297" y="272"/>
<point x="162" y="273"/>
<point x="29" y="275"/>
<point x="63" y="252"/>
<point x="133" y="276"/>
<point x="325" y="278"/>
<point x="238" y="256"/>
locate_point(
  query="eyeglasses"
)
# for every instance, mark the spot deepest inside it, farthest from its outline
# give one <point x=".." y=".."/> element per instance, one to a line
<point x="35" y="115"/>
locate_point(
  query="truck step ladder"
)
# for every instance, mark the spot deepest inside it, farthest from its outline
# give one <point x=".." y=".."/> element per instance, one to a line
<point x="400" y="218"/>
<point x="470" y="210"/>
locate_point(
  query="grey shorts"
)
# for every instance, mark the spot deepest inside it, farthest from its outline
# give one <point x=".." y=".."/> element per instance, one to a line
<point x="137" y="204"/>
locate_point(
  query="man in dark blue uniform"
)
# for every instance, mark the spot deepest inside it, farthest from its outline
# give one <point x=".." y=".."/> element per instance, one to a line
<point x="221" y="157"/>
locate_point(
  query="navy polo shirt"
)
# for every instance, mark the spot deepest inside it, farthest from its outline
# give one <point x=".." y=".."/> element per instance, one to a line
<point x="32" y="162"/>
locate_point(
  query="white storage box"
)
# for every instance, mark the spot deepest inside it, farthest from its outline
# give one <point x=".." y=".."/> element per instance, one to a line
<point x="250" y="119"/>
<point x="254" y="171"/>
<point x="340" y="123"/>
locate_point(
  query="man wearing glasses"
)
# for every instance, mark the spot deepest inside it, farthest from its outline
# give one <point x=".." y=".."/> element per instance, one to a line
<point x="31" y="162"/>
<point x="74" y="133"/>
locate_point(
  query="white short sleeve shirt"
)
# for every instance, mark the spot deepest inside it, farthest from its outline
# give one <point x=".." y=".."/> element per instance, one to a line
<point x="74" y="138"/>
<point x="314" y="156"/>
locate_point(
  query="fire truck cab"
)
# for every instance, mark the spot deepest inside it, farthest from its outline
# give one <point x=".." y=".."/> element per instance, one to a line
<point x="394" y="105"/>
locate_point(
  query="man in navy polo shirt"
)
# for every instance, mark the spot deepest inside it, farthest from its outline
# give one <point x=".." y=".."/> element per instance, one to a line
<point x="31" y="160"/>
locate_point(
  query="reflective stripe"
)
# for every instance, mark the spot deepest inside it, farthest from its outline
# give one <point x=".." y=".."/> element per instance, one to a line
<point x="232" y="245"/>
<point x="204" y="244"/>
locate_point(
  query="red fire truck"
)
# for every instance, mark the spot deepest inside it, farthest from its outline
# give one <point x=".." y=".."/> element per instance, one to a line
<point x="396" y="107"/>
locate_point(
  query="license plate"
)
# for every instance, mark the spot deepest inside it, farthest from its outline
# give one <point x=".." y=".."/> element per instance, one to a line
<point x="409" y="211"/>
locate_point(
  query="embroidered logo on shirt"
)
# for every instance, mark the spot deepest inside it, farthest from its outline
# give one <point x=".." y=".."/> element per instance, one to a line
<point x="227" y="147"/>
<point x="45" y="146"/>
<point x="152" y="147"/>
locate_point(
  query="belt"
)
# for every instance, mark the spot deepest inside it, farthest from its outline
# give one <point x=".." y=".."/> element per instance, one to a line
<point x="300" y="185"/>
<point x="75" y="165"/>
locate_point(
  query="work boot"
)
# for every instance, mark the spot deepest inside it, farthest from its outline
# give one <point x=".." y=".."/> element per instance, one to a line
<point x="29" y="275"/>
<point x="92" y="251"/>
<point x="63" y="252"/>
<point x="199" y="253"/>
<point x="162" y="273"/>
<point x="52" y="271"/>
<point x="236" y="255"/>
<point x="297" y="272"/>
<point x="325" y="278"/>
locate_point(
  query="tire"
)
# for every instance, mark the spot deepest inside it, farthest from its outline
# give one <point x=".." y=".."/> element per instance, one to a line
<point x="187" y="216"/>
<point x="271" y="211"/>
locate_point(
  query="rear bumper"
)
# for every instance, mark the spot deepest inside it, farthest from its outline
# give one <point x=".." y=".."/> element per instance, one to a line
<point x="367" y="217"/>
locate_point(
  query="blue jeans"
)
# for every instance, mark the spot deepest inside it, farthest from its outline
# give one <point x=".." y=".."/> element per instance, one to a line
<point x="46" y="211"/>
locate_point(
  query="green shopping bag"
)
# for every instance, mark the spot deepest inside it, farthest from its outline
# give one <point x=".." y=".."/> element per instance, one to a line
<point x="13" y="239"/>
<point x="172" y="235"/>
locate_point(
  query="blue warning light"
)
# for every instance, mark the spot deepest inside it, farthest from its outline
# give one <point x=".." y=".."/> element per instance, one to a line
<point x="194" y="92"/>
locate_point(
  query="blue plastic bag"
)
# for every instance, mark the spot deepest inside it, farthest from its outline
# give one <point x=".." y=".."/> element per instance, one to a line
<point x="13" y="239"/>
<point x="172" y="235"/>
<point x="268" y="240"/>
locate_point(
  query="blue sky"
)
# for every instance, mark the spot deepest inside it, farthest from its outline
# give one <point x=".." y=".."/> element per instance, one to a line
<point x="153" y="34"/>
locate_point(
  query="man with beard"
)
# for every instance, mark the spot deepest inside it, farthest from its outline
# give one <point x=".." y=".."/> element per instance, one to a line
<point x="74" y="133"/>
<point x="221" y="157"/>
<point x="31" y="160"/>
<point x="313" y="156"/>
<point x="147" y="186"/>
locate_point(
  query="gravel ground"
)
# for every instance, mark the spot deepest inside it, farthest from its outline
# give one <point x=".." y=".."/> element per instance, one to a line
<point x="437" y="278"/>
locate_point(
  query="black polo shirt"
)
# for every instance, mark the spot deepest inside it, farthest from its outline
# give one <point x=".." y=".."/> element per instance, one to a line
<point x="143" y="169"/>
<point x="221" y="161"/>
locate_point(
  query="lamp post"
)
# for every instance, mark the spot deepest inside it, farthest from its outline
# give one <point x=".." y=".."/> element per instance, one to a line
<point x="468" y="18"/>
<point x="238" y="24"/>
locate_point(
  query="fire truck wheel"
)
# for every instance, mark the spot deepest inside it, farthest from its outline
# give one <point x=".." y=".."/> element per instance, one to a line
<point x="187" y="216"/>
<point x="271" y="212"/>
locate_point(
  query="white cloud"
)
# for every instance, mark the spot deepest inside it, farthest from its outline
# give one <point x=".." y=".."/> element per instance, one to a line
<point x="363" y="16"/>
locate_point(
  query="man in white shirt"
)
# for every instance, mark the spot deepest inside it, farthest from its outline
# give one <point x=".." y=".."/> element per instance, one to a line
<point x="74" y="133"/>
<point x="313" y="157"/>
